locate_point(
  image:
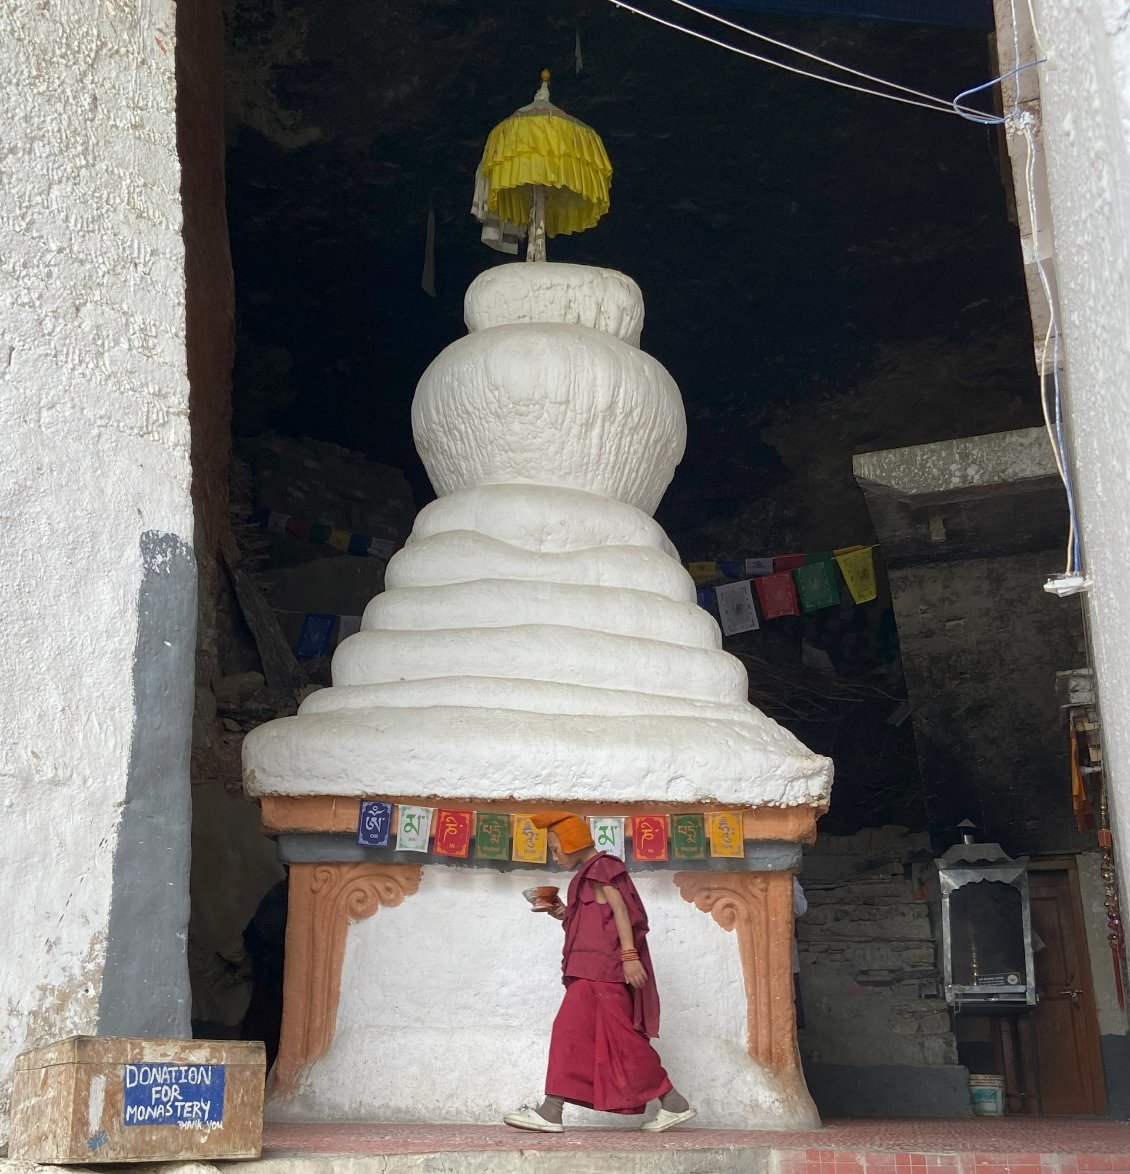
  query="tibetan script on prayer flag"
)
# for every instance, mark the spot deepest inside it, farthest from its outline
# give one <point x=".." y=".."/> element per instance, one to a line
<point x="777" y="595"/>
<point x="688" y="836"/>
<point x="735" y="608"/>
<point x="529" y="842"/>
<point x="727" y="837"/>
<point x="608" y="834"/>
<point x="649" y="837"/>
<point x="453" y="832"/>
<point x="374" y="822"/>
<point x="413" y="828"/>
<point x="817" y="585"/>
<point x="759" y="566"/>
<point x="858" y="570"/>
<point x="492" y="835"/>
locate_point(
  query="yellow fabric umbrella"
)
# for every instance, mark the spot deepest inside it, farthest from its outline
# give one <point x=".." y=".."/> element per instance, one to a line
<point x="542" y="172"/>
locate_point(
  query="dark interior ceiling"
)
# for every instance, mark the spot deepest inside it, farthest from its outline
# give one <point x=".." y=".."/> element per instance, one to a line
<point x="825" y="272"/>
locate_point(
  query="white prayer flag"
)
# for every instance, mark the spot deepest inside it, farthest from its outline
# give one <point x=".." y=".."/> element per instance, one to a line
<point x="276" y="522"/>
<point x="759" y="566"/>
<point x="735" y="608"/>
<point x="382" y="548"/>
<point x="608" y="834"/>
<point x="414" y="828"/>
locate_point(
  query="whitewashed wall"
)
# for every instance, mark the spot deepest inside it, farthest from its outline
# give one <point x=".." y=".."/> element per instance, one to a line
<point x="1085" y="94"/>
<point x="94" y="428"/>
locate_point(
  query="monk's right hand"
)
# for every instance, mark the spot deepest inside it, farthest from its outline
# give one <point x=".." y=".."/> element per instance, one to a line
<point x="558" y="910"/>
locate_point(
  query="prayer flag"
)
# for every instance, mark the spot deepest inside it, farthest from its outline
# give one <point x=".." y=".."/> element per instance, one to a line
<point x="649" y="837"/>
<point x="453" y="832"/>
<point x="359" y="544"/>
<point x="727" y="837"/>
<point x="414" y="828"/>
<point x="735" y="607"/>
<point x="777" y="595"/>
<point x="339" y="540"/>
<point x="786" y="562"/>
<point x="276" y="522"/>
<point x="320" y="533"/>
<point x="817" y="585"/>
<point x="374" y="822"/>
<point x="758" y="566"/>
<point x="314" y="639"/>
<point x="703" y="573"/>
<point x="688" y="836"/>
<point x="731" y="568"/>
<point x="530" y="843"/>
<point x="347" y="626"/>
<point x="705" y="597"/>
<point x="492" y="836"/>
<point x="858" y="569"/>
<point x="608" y="834"/>
<point x="298" y="528"/>
<point x="382" y="548"/>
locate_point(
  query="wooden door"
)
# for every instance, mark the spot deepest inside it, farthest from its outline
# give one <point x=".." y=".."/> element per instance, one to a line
<point x="1067" y="1034"/>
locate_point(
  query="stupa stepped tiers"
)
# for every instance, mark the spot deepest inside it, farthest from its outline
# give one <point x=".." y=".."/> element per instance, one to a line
<point x="538" y="644"/>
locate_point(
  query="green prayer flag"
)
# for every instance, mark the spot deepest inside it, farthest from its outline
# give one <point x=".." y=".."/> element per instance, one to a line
<point x="320" y="533"/>
<point x="816" y="585"/>
<point x="688" y="836"/>
<point x="492" y="835"/>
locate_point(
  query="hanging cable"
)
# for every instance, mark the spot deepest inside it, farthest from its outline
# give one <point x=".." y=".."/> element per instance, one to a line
<point x="923" y="100"/>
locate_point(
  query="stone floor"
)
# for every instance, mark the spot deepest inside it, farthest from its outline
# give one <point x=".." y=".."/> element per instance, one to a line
<point x="1012" y="1145"/>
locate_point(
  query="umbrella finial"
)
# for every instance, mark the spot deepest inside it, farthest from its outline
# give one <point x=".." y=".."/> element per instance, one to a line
<point x="543" y="92"/>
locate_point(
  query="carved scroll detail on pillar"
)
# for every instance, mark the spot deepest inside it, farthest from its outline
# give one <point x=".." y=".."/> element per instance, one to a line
<point x="323" y="900"/>
<point x="758" y="906"/>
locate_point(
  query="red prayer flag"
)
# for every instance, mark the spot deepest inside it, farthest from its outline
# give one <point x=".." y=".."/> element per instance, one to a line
<point x="649" y="837"/>
<point x="777" y="594"/>
<point x="452" y="832"/>
<point x="788" y="562"/>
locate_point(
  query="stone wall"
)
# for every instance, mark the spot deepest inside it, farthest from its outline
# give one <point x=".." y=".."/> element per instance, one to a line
<point x="96" y="519"/>
<point x="878" y="1038"/>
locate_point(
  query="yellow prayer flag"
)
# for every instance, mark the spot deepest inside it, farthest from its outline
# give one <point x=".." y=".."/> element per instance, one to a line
<point x="529" y="843"/>
<point x="703" y="573"/>
<point x="727" y="835"/>
<point x="858" y="570"/>
<point x="339" y="540"/>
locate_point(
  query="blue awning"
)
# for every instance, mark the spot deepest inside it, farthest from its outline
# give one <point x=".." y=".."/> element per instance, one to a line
<point x="973" y="14"/>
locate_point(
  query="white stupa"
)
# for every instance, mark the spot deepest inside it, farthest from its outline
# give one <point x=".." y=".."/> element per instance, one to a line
<point x="538" y="638"/>
<point x="538" y="644"/>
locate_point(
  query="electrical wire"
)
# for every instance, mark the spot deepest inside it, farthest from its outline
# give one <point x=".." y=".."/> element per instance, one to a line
<point x="930" y="102"/>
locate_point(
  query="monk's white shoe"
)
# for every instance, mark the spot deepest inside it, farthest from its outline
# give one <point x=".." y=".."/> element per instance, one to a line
<point x="531" y="1119"/>
<point x="664" y="1120"/>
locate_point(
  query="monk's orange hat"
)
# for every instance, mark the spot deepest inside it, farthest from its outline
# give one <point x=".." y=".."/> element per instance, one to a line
<point x="572" y="831"/>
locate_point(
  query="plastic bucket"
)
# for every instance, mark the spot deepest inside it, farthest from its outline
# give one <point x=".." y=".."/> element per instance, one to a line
<point x="986" y="1094"/>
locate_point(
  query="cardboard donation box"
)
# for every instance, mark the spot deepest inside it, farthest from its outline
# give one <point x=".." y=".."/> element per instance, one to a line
<point x="113" y="1099"/>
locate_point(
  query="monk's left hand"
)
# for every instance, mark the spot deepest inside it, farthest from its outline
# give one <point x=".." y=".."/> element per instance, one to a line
<point x="635" y="975"/>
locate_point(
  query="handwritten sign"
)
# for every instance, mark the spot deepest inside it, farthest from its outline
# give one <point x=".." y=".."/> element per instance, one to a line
<point x="374" y="822"/>
<point x="173" y="1094"/>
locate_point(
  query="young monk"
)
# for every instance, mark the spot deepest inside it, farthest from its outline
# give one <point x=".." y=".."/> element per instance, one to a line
<point x="599" y="1053"/>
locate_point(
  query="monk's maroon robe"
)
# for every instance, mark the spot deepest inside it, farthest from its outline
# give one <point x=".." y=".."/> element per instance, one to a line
<point x="599" y="1054"/>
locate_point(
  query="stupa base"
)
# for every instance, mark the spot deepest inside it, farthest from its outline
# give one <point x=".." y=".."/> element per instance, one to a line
<point x="426" y="992"/>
